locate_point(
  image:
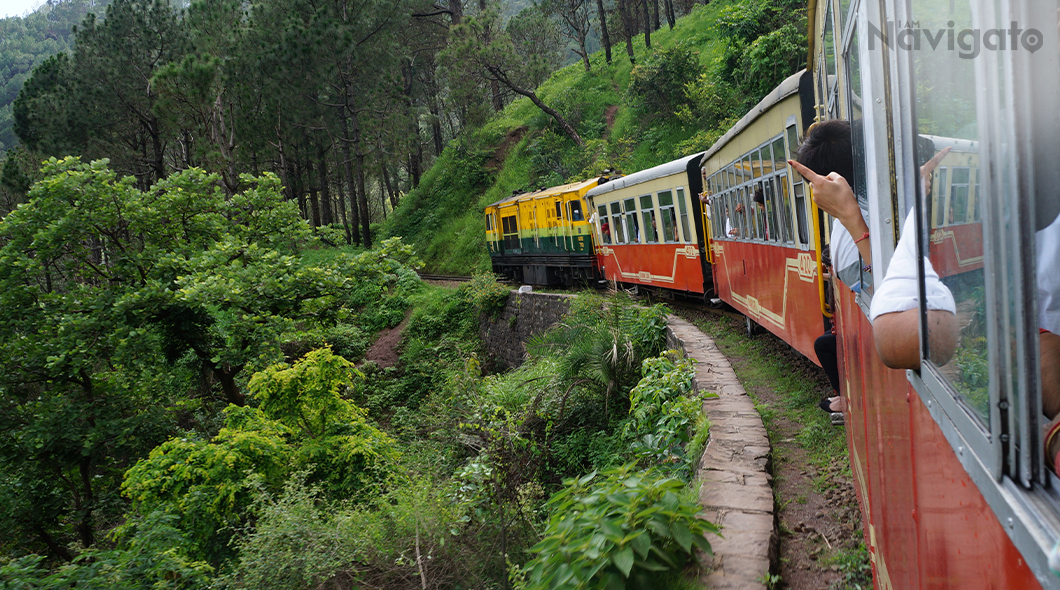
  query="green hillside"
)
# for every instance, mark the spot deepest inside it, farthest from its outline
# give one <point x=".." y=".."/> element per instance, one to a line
<point x="684" y="92"/>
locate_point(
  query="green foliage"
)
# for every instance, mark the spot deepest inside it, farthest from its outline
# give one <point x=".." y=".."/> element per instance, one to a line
<point x="153" y="556"/>
<point x="488" y="296"/>
<point x="302" y="423"/>
<point x="854" y="567"/>
<point x="617" y="529"/>
<point x="665" y="413"/>
<point x="657" y="86"/>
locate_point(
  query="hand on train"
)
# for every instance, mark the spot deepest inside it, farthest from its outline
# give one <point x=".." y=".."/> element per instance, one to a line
<point x="833" y="195"/>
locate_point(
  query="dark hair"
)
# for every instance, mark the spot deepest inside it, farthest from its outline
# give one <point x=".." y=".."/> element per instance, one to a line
<point x="827" y="148"/>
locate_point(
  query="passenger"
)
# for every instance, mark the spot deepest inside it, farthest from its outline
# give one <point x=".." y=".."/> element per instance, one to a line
<point x="826" y="161"/>
<point x="605" y="231"/>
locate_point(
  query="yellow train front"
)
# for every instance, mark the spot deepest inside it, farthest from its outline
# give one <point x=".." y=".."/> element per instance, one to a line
<point x="544" y="237"/>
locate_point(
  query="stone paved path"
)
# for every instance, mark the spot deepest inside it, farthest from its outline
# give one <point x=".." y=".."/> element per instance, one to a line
<point x="736" y="491"/>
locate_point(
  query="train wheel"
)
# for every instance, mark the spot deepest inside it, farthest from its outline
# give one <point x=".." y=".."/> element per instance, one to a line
<point x="750" y="327"/>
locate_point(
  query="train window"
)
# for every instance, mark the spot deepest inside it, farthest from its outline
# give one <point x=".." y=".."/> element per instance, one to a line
<point x="510" y="229"/>
<point x="576" y="211"/>
<point x="941" y="188"/>
<point x="800" y="212"/>
<point x="682" y="208"/>
<point x="830" y="63"/>
<point x="756" y="164"/>
<point x="489" y="224"/>
<point x="605" y="225"/>
<point x="651" y="229"/>
<point x="784" y="198"/>
<point x="616" y="223"/>
<point x="946" y="119"/>
<point x="767" y="159"/>
<point x="746" y="163"/>
<point x="559" y="210"/>
<point x="632" y="225"/>
<point x="669" y="217"/>
<point x="730" y="173"/>
<point x="857" y="140"/>
<point x="958" y="206"/>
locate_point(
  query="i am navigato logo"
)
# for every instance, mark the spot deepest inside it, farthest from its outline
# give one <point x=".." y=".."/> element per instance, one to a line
<point x="969" y="43"/>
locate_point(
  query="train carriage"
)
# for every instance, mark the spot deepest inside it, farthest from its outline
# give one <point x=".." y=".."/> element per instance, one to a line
<point x="543" y="237"/>
<point x="947" y="459"/>
<point x="649" y="229"/>
<point x="766" y="251"/>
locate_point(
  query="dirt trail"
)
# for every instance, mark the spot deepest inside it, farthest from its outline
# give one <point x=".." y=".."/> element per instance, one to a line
<point x="384" y="351"/>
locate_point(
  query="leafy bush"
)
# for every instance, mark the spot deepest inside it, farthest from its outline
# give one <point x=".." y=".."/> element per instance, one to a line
<point x="154" y="555"/>
<point x="656" y="87"/>
<point x="665" y="413"/>
<point x="302" y="423"/>
<point x="617" y="529"/>
<point x="488" y="296"/>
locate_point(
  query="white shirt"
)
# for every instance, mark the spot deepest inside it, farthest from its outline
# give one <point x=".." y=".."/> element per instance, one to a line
<point x="846" y="260"/>
<point x="899" y="291"/>
<point x="1048" y="246"/>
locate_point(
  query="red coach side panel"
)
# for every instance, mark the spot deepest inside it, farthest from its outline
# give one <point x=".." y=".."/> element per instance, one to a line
<point x="927" y="524"/>
<point x="670" y="266"/>
<point x="775" y="286"/>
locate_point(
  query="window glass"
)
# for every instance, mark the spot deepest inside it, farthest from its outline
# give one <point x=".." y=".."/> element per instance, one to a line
<point x="682" y="208"/>
<point x="939" y="191"/>
<point x="669" y="217"/>
<point x="605" y="224"/>
<point x="946" y="118"/>
<point x="800" y="213"/>
<point x="784" y="197"/>
<point x="489" y="224"/>
<point x="958" y="202"/>
<point x="617" y="223"/>
<point x="756" y="164"/>
<point x="793" y="151"/>
<point x="510" y="228"/>
<point x="651" y="230"/>
<point x="730" y="171"/>
<point x="767" y="159"/>
<point x="632" y="225"/>
<point x="746" y="163"/>
<point x="559" y="210"/>
<point x="773" y="230"/>
<point x="757" y="209"/>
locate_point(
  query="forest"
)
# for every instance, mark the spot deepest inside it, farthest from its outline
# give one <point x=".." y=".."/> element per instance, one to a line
<point x="211" y="210"/>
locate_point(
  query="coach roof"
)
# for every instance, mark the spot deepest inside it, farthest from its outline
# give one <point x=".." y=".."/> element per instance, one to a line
<point x="789" y="86"/>
<point x="660" y="171"/>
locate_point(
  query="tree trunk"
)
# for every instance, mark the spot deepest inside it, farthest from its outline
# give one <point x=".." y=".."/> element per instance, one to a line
<point x="389" y="187"/>
<point x="655" y="15"/>
<point x="627" y="23"/>
<point x="351" y="189"/>
<point x="647" y="25"/>
<point x="358" y="174"/>
<point x="227" y="379"/>
<point x="456" y="11"/>
<point x="87" y="505"/>
<point x="342" y="212"/>
<point x="567" y="128"/>
<point x="325" y="191"/>
<point x="671" y="17"/>
<point x="314" y="203"/>
<point x="436" y="127"/>
<point x="604" y="37"/>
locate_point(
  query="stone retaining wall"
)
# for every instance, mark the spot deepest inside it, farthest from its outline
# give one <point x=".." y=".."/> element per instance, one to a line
<point x="523" y="316"/>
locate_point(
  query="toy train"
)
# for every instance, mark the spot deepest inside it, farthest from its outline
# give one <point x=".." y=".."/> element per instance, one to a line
<point x="947" y="459"/>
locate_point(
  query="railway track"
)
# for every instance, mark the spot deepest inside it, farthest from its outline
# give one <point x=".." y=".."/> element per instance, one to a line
<point x="453" y="278"/>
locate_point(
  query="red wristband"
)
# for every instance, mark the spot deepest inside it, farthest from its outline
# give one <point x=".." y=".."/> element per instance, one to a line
<point x="865" y="235"/>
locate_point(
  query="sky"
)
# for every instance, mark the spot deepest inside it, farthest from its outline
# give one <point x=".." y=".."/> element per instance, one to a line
<point x="18" y="7"/>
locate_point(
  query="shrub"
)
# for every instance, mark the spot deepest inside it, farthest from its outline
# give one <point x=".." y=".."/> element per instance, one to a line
<point x="618" y="529"/>
<point x="656" y="87"/>
<point x="486" y="294"/>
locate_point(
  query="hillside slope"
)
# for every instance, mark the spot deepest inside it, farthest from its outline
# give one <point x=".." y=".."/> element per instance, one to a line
<point x="689" y="94"/>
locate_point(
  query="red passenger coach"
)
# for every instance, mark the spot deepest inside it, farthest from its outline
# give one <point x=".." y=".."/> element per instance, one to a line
<point x="765" y="252"/>
<point x="649" y="230"/>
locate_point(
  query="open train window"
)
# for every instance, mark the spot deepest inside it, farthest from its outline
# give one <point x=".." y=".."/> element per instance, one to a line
<point x="489" y="222"/>
<point x="682" y="209"/>
<point x="651" y="228"/>
<point x="669" y="217"/>
<point x="605" y="224"/>
<point x="617" y="223"/>
<point x="632" y="225"/>
<point x="576" y="210"/>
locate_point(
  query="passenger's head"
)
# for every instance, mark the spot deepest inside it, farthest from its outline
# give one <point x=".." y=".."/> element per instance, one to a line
<point x="827" y="148"/>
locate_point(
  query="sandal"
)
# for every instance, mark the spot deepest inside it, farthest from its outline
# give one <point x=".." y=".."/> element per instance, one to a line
<point x="837" y="419"/>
